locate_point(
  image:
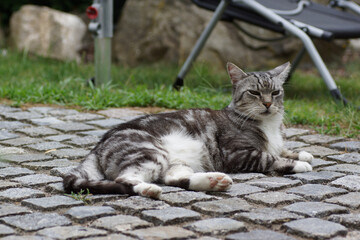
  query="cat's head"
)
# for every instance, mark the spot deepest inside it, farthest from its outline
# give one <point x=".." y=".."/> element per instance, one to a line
<point x="258" y="95"/>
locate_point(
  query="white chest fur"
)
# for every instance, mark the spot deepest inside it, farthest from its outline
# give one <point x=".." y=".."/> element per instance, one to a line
<point x="271" y="129"/>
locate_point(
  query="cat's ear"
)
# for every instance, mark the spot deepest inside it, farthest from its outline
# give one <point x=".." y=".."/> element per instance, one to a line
<point x="235" y="72"/>
<point x="281" y="72"/>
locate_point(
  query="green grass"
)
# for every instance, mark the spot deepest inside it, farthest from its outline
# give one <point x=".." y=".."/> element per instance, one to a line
<point x="29" y="79"/>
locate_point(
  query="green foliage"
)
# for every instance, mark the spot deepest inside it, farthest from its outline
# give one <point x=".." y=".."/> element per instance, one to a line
<point x="80" y="196"/>
<point x="29" y="79"/>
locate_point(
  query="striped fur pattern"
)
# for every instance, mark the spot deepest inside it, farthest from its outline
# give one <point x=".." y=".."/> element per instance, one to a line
<point x="195" y="148"/>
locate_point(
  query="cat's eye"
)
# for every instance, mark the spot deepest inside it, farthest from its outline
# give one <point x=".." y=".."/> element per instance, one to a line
<point x="275" y="93"/>
<point x="256" y="93"/>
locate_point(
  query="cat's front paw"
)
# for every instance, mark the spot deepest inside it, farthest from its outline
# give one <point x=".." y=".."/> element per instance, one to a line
<point x="302" y="167"/>
<point x="210" y="181"/>
<point x="305" y="156"/>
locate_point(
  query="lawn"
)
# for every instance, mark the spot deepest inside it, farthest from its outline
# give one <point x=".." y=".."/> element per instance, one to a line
<point x="29" y="79"/>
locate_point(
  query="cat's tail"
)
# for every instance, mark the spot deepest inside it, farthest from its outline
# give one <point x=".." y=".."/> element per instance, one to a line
<point x="87" y="176"/>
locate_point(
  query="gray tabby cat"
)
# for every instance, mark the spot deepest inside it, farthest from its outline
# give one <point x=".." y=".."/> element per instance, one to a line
<point x="194" y="148"/>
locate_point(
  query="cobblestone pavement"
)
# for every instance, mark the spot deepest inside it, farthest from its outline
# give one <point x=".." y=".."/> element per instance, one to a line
<point x="40" y="144"/>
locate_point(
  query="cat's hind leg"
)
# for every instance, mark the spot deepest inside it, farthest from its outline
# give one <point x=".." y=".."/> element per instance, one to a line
<point x="283" y="165"/>
<point x="184" y="177"/>
<point x="301" y="156"/>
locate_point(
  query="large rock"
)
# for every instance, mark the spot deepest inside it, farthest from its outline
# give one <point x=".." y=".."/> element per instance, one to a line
<point x="47" y="32"/>
<point x="166" y="30"/>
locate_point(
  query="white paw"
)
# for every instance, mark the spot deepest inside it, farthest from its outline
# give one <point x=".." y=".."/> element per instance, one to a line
<point x="302" y="167"/>
<point x="210" y="181"/>
<point x="305" y="156"/>
<point x="148" y="190"/>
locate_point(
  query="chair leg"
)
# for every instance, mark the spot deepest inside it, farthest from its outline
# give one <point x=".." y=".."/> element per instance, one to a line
<point x="179" y="82"/>
<point x="296" y="61"/>
<point x="308" y="44"/>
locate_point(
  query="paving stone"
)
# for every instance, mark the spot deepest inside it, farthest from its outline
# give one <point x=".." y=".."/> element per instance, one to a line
<point x="344" y="168"/>
<point x="25" y="237"/>
<point x="351" y="182"/>
<point x="37" y="179"/>
<point x="36" y="221"/>
<point x="170" y="215"/>
<point x="215" y="226"/>
<point x="292" y="132"/>
<point x="222" y="207"/>
<point x="41" y="110"/>
<point x="62" y="112"/>
<point x="347" y="157"/>
<point x="72" y="127"/>
<point x="57" y="163"/>
<point x="6" y="184"/>
<point x="273" y="198"/>
<point x="21" y="141"/>
<point x="185" y="197"/>
<point x="62" y="171"/>
<point x="120" y="223"/>
<point x="45" y="146"/>
<point x="319" y="151"/>
<point x="71" y="232"/>
<point x="320" y="139"/>
<point x="135" y="204"/>
<point x="317" y="163"/>
<point x="274" y="183"/>
<point x="83" y="141"/>
<point x="315" y="209"/>
<point x="259" y="235"/>
<point x="267" y="216"/>
<point x="162" y="233"/>
<point x="4" y="135"/>
<point x="5" y="230"/>
<point x="55" y="187"/>
<point x="354" y="235"/>
<point x="38" y="131"/>
<point x="316" y="191"/>
<point x="120" y="112"/>
<point x="347" y="146"/>
<point x="7" y="209"/>
<point x="351" y="220"/>
<point x="95" y="133"/>
<point x="80" y="117"/>
<point x="351" y="200"/>
<point x="46" y="121"/>
<point x="242" y="177"/>
<point x="61" y="137"/>
<point x="12" y="125"/>
<point x="294" y="144"/>
<point x="170" y="189"/>
<point x="115" y="236"/>
<point x="14" y="172"/>
<point x="5" y="108"/>
<point x="51" y="203"/>
<point x="21" y="115"/>
<point x="106" y="123"/>
<point x="104" y="197"/>
<point x="4" y="164"/>
<point x="315" y="228"/>
<point x="17" y="194"/>
<point x="70" y="153"/>
<point x="316" y="177"/>
<point x="11" y="150"/>
<point x="86" y="213"/>
<point x="240" y="189"/>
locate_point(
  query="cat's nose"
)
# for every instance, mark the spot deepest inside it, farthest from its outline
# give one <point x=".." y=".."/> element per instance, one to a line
<point x="267" y="104"/>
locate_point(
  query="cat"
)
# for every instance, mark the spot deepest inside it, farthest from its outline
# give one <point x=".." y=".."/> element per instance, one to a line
<point x="195" y="148"/>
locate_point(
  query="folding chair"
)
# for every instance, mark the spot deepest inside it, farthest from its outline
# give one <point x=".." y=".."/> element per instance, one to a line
<point x="300" y="18"/>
